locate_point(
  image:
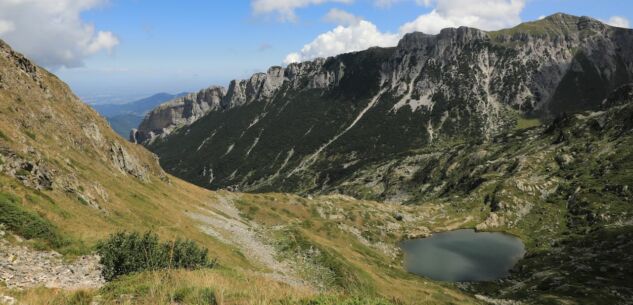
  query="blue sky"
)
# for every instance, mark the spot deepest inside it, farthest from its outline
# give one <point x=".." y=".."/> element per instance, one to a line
<point x="133" y="48"/>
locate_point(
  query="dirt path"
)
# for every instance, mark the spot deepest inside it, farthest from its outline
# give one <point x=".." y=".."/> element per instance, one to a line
<point x="222" y="220"/>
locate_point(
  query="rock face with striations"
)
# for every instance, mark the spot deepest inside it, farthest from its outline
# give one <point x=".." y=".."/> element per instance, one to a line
<point x="184" y="111"/>
<point x="181" y="111"/>
<point x="311" y="126"/>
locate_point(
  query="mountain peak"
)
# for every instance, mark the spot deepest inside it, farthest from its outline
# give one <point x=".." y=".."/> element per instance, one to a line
<point x="558" y="24"/>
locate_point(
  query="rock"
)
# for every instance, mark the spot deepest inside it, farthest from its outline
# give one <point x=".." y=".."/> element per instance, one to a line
<point x="398" y="216"/>
<point x="493" y="221"/>
<point x="419" y="232"/>
<point x="564" y="159"/>
<point x="7" y="300"/>
<point x="21" y="267"/>
<point x="127" y="163"/>
<point x="32" y="172"/>
<point x="179" y="112"/>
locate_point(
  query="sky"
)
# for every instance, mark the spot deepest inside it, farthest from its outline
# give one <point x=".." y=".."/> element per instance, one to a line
<point x="120" y="50"/>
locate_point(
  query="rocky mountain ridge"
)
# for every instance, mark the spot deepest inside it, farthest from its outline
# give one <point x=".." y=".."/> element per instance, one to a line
<point x="354" y="109"/>
<point x="184" y="111"/>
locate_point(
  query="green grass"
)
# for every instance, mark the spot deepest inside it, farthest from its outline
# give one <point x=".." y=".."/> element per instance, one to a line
<point x="3" y="136"/>
<point x="28" y="224"/>
<point x="343" y="273"/>
<point x="30" y="134"/>
<point x="525" y="123"/>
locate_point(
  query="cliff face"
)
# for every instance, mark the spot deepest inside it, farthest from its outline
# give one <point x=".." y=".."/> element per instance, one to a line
<point x="180" y="111"/>
<point x="184" y="111"/>
<point x="310" y="126"/>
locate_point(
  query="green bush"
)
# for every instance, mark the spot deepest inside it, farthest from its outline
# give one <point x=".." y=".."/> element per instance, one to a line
<point x="27" y="224"/>
<point x="207" y="296"/>
<point x="125" y="253"/>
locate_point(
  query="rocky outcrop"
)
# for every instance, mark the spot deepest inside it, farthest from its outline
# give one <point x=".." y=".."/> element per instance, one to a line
<point x="34" y="173"/>
<point x="21" y="267"/>
<point x="127" y="163"/>
<point x="621" y="96"/>
<point x="181" y="111"/>
<point x="184" y="111"/>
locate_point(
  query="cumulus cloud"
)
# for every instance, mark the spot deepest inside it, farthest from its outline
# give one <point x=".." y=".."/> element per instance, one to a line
<point x="355" y="34"/>
<point x="486" y="15"/>
<point x="51" y="32"/>
<point x="341" y="17"/>
<point x="344" y="39"/>
<point x="285" y="9"/>
<point x="617" y="21"/>
<point x="388" y="3"/>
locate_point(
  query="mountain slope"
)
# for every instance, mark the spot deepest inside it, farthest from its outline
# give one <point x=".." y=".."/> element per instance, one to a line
<point x="311" y="126"/>
<point x="566" y="194"/>
<point x="67" y="181"/>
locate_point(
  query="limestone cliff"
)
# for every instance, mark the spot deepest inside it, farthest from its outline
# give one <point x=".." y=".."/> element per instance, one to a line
<point x="312" y="125"/>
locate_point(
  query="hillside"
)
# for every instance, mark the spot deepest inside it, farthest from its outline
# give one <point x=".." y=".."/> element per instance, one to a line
<point x="312" y="127"/>
<point x="562" y="186"/>
<point x="68" y="181"/>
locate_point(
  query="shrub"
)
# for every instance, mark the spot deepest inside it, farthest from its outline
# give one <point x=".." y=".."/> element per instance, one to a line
<point x="125" y="253"/>
<point x="27" y="224"/>
<point x="207" y="296"/>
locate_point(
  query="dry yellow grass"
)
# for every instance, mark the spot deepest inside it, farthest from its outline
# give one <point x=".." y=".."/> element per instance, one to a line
<point x="176" y="286"/>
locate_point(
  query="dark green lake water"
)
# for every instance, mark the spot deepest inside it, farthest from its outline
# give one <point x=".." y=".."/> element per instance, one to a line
<point x="463" y="255"/>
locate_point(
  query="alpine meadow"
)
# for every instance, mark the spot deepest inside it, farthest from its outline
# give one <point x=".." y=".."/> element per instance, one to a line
<point x="465" y="157"/>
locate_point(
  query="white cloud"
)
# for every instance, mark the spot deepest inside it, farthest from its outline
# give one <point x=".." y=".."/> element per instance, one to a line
<point x="51" y="32"/>
<point x="103" y="41"/>
<point x="618" y="21"/>
<point x="6" y="26"/>
<point x="285" y="9"/>
<point x="486" y="15"/>
<point x="344" y="39"/>
<point x="389" y="3"/>
<point x="341" y="17"/>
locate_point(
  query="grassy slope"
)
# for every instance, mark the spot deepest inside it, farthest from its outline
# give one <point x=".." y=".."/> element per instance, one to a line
<point x="43" y="124"/>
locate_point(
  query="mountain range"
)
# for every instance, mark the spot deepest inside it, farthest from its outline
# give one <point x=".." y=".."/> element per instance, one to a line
<point x="322" y="126"/>
<point x="313" y="174"/>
